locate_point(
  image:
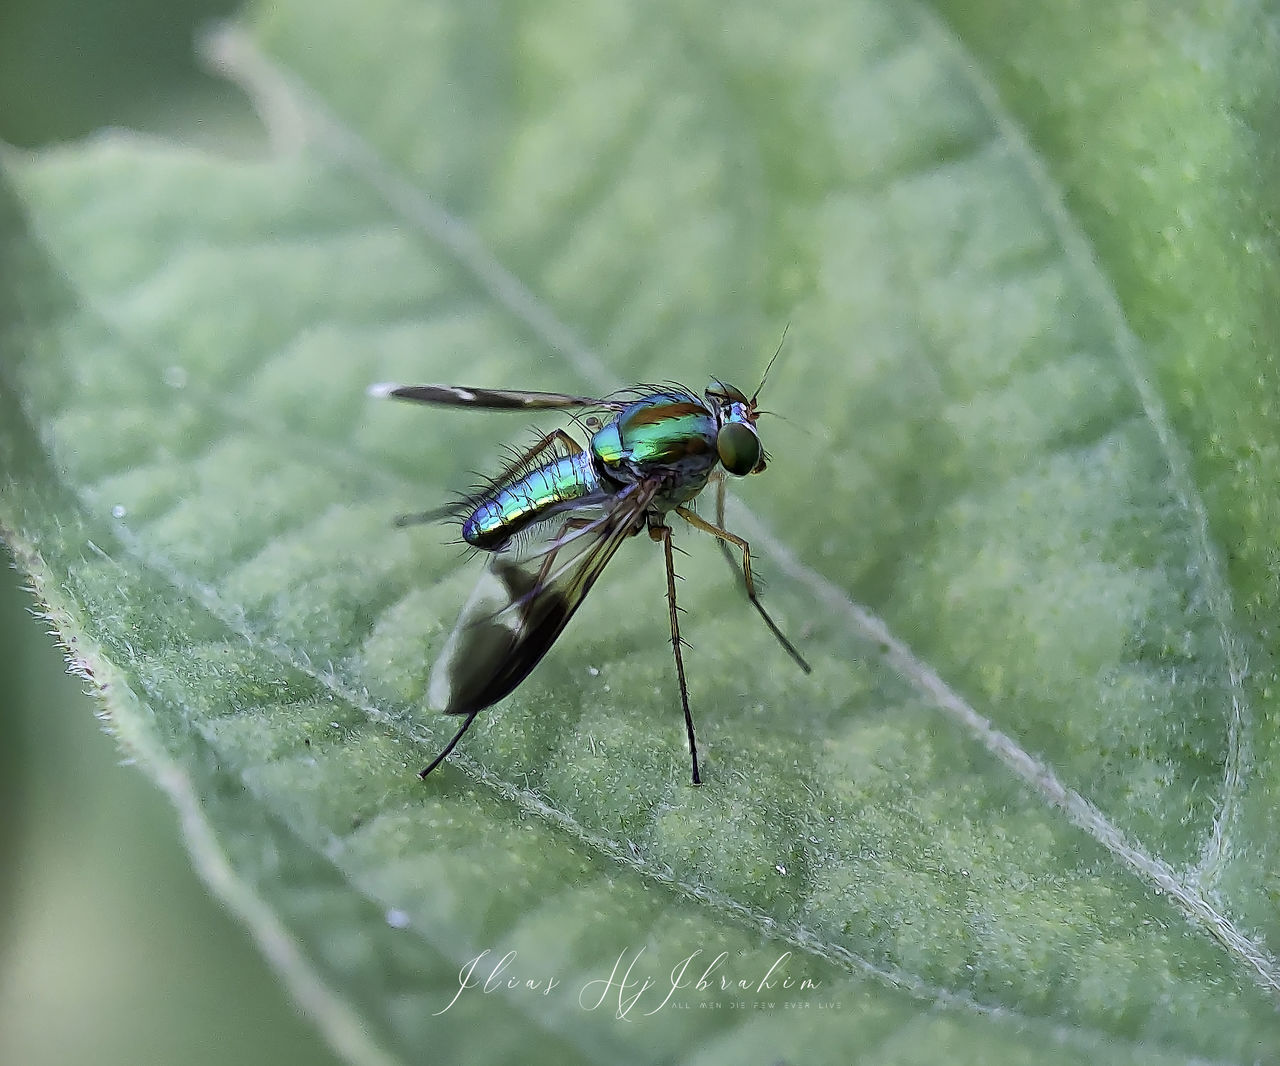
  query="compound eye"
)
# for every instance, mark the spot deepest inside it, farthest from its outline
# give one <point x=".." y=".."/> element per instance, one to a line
<point x="739" y="448"/>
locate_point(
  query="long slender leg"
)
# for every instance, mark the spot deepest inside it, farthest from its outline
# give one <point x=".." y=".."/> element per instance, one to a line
<point x="726" y="538"/>
<point x="421" y="518"/>
<point x="471" y="717"/>
<point x="658" y="532"/>
<point x="556" y="436"/>
<point x="724" y="547"/>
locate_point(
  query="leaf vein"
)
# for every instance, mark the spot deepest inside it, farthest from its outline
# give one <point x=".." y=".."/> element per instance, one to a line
<point x="1077" y="250"/>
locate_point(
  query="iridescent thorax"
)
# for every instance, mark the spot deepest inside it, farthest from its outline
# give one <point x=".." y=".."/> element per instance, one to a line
<point x="668" y="435"/>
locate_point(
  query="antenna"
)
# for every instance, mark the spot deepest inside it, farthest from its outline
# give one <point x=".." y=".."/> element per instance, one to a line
<point x="765" y="376"/>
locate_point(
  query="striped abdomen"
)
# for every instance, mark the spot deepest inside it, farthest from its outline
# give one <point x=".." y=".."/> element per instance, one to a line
<point x="500" y="515"/>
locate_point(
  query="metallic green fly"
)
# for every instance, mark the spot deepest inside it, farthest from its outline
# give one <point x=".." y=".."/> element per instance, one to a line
<point x="555" y="516"/>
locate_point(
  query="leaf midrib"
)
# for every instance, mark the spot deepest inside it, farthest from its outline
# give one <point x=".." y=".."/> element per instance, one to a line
<point x="527" y="308"/>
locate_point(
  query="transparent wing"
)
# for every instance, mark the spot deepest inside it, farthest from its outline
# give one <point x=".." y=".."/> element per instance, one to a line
<point x="524" y="600"/>
<point x="490" y="399"/>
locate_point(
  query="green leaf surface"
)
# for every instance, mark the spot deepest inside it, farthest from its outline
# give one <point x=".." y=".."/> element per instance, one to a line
<point x="1020" y="523"/>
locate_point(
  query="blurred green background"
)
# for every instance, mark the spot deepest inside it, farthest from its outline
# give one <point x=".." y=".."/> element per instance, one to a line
<point x="111" y="951"/>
